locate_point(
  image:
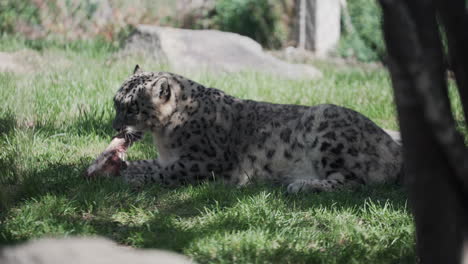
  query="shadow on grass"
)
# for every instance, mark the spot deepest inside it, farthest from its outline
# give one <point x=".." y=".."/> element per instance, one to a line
<point x="7" y="122"/>
<point x="96" y="203"/>
<point x="95" y="121"/>
<point x="86" y="125"/>
<point x="53" y="178"/>
<point x="164" y="231"/>
<point x="66" y="178"/>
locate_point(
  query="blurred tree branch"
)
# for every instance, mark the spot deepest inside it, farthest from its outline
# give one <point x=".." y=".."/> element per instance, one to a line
<point x="436" y="162"/>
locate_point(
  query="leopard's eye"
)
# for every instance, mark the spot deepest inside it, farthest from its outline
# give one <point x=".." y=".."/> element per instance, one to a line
<point x="119" y="106"/>
<point x="132" y="109"/>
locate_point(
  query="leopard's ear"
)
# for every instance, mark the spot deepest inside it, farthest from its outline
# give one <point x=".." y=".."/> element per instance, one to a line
<point x="161" y="89"/>
<point x="137" y="69"/>
<point x="164" y="90"/>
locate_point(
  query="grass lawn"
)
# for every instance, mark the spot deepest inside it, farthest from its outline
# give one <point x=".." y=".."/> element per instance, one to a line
<point x="55" y="121"/>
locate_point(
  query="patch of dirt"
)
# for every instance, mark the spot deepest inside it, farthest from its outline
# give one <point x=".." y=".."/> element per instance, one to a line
<point x="29" y="61"/>
<point x="19" y="62"/>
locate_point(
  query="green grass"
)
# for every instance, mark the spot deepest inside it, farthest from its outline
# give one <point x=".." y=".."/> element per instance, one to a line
<point x="55" y="121"/>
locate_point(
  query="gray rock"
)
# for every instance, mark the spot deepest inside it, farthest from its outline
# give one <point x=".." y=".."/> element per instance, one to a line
<point x="187" y="50"/>
<point x="84" y="251"/>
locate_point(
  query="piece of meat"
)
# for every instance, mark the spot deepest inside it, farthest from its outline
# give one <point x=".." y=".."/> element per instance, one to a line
<point x="110" y="161"/>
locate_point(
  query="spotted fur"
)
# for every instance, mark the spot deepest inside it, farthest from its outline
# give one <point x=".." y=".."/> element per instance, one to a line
<point x="203" y="134"/>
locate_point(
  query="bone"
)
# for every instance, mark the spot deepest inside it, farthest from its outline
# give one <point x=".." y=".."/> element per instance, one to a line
<point x="110" y="161"/>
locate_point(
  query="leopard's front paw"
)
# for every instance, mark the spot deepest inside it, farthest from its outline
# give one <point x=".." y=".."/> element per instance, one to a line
<point x="307" y="186"/>
<point x="296" y="187"/>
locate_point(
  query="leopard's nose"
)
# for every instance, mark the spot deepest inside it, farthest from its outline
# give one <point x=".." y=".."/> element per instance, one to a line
<point x="117" y="126"/>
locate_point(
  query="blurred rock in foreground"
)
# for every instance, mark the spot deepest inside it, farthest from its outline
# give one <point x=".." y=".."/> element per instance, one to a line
<point x="84" y="251"/>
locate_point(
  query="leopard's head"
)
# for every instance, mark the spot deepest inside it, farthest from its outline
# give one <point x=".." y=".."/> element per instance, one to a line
<point x="145" y="101"/>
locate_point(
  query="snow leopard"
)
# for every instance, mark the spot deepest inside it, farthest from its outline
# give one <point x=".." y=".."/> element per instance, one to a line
<point x="203" y="134"/>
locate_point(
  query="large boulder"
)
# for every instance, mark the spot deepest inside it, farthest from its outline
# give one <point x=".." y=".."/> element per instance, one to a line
<point x="84" y="251"/>
<point x="188" y="50"/>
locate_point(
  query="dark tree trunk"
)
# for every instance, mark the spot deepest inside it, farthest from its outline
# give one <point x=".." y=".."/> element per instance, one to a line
<point x="435" y="156"/>
<point x="455" y="20"/>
